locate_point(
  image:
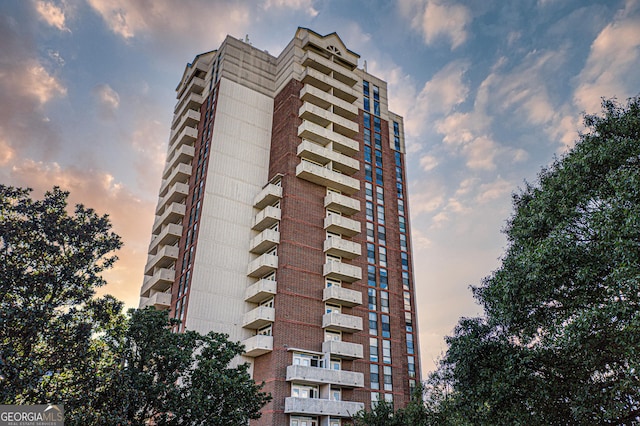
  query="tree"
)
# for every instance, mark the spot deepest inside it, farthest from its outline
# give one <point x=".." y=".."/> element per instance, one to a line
<point x="60" y="344"/>
<point x="560" y="340"/>
<point x="50" y="265"/>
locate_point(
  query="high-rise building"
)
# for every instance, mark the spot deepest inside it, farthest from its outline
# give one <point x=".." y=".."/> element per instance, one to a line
<point x="283" y="221"/>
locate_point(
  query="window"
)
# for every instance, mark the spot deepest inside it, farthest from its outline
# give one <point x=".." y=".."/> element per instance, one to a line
<point x="396" y="128"/>
<point x="406" y="284"/>
<point x="367" y="137"/>
<point x="411" y="363"/>
<point x="369" y="210"/>
<point x="384" y="301"/>
<point x="376" y="92"/>
<point x="333" y="283"/>
<point x="403" y="242"/>
<point x="368" y="172"/>
<point x="377" y="140"/>
<point x="332" y="336"/>
<point x="398" y="159"/>
<point x="368" y="191"/>
<point x="372" y="299"/>
<point x="370" y="232"/>
<point x="304" y="391"/>
<point x="386" y="351"/>
<point x="365" y="87"/>
<point x="334" y="422"/>
<point x="374" y="376"/>
<point x="267" y="303"/>
<point x="402" y="223"/>
<point x="307" y="360"/>
<point x="382" y="235"/>
<point x="376" y="124"/>
<point x="410" y="343"/>
<point x="375" y="398"/>
<point x="386" y="328"/>
<point x="367" y="106"/>
<point x="399" y="191"/>
<point x="388" y="397"/>
<point x="383" y="278"/>
<point x="376" y="107"/>
<point x="380" y="210"/>
<point x="378" y="157"/>
<point x="373" y="324"/>
<point x="388" y="380"/>
<point x="264" y="331"/>
<point x="335" y="364"/>
<point x="383" y="256"/>
<point x="396" y="143"/>
<point x="371" y="275"/>
<point x="373" y="349"/>
<point x="405" y="260"/>
<point x="332" y="309"/>
<point x="378" y="176"/>
<point x="367" y="154"/>
<point x="398" y="174"/>
<point x="303" y="421"/>
<point x="335" y="395"/>
<point x="407" y="300"/>
<point x="367" y="120"/>
<point x="380" y="195"/>
<point x="371" y="253"/>
<point x="332" y="258"/>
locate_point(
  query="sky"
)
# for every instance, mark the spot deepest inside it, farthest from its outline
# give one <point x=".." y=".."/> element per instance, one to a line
<point x="490" y="91"/>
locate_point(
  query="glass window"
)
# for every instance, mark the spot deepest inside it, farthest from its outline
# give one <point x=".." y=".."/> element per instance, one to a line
<point x="383" y="256"/>
<point x="411" y="362"/>
<point x="376" y="92"/>
<point x="396" y="128"/>
<point x="332" y="309"/>
<point x="378" y="157"/>
<point x="405" y="260"/>
<point x="399" y="190"/>
<point x="378" y="175"/>
<point x="365" y="87"/>
<point x="388" y="380"/>
<point x="388" y="397"/>
<point x="370" y="232"/>
<point x="372" y="299"/>
<point x="336" y="394"/>
<point x="378" y="140"/>
<point x="376" y="124"/>
<point x="383" y="278"/>
<point x="373" y="349"/>
<point x="374" y="376"/>
<point x="304" y="391"/>
<point x="368" y="172"/>
<point x="368" y="190"/>
<point x="401" y="207"/>
<point x="379" y="195"/>
<point x="386" y="327"/>
<point x="376" y="107"/>
<point x="382" y="235"/>
<point x="375" y="398"/>
<point x="384" y="301"/>
<point x="386" y="351"/>
<point x="371" y="275"/>
<point x="405" y="280"/>
<point x="402" y="223"/>
<point x="369" y="210"/>
<point x="367" y="106"/>
<point x="334" y="336"/>
<point x="406" y="296"/>
<point x="307" y="360"/>
<point x="373" y="324"/>
<point x="380" y="210"/>
<point x="367" y="120"/>
<point x="367" y="136"/>
<point x="367" y="154"/>
<point x="371" y="253"/>
<point x="403" y="242"/>
<point x="396" y="143"/>
<point x="398" y="174"/>
<point x="409" y="343"/>
<point x="398" y="159"/>
<point x="335" y="364"/>
<point x="264" y="331"/>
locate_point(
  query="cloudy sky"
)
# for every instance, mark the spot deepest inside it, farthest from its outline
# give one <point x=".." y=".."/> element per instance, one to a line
<point x="490" y="90"/>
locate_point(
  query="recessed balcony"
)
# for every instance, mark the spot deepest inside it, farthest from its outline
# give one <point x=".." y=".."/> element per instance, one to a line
<point x="183" y="154"/>
<point x="175" y="194"/>
<point x="264" y="241"/>
<point x="323" y="117"/>
<point x="325" y="177"/>
<point x="172" y="213"/>
<point x="192" y="101"/>
<point x="345" y="205"/>
<point x="346" y="249"/>
<point x="341" y="296"/>
<point x="259" y="317"/>
<point x="266" y="218"/>
<point x="341" y="225"/>
<point x="322" y="155"/>
<point x="321" y="407"/>
<point x="326" y="66"/>
<point x="268" y="196"/>
<point x="318" y="376"/>
<point x="257" y="345"/>
<point x="263" y="265"/>
<point x="160" y="301"/>
<point x="327" y="101"/>
<point x="196" y="85"/>
<point x="160" y="281"/>
<point x="260" y="291"/>
<point x="166" y="256"/>
<point x="342" y="322"/>
<point x="326" y="83"/>
<point x="342" y="271"/>
<point x="190" y="118"/>
<point x="325" y="136"/>
<point x="169" y="235"/>
<point x="344" y="350"/>
<point x="181" y="173"/>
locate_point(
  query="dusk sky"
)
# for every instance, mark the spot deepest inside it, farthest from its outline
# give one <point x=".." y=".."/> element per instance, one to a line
<point x="490" y="92"/>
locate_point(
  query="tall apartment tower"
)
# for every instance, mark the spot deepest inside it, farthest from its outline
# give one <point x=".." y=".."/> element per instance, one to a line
<point x="283" y="221"/>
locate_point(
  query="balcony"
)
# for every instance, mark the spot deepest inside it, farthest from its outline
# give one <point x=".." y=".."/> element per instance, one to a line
<point x="341" y="296"/>
<point x="166" y="256"/>
<point x="344" y="350"/>
<point x="169" y="235"/>
<point x="173" y="213"/>
<point x="190" y="118"/>
<point x="323" y="117"/>
<point x="196" y="85"/>
<point x="321" y="407"/>
<point x="314" y="60"/>
<point x="268" y="196"/>
<point x="257" y="345"/>
<point x="324" y="136"/>
<point x="322" y="155"/>
<point x="326" y="100"/>
<point x="258" y="317"/>
<point x="160" y="281"/>
<point x="337" y="246"/>
<point x="317" y="376"/>
<point x="341" y="225"/>
<point x="326" y="83"/>
<point x="181" y="173"/>
<point x="184" y="154"/>
<point x="343" y="204"/>
<point x="264" y="241"/>
<point x="260" y="291"/>
<point x="175" y="194"/>
<point x="160" y="301"/>
<point x="263" y="265"/>
<point x="192" y="101"/>
<point x="325" y="177"/>
<point x="266" y="218"/>
<point x="342" y="322"/>
<point x="342" y="271"/>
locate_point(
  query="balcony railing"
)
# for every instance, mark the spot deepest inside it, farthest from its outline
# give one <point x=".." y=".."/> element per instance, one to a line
<point x="341" y="296"/>
<point x="263" y="265"/>
<point x="342" y="271"/>
<point x="169" y="235"/>
<point x="160" y="301"/>
<point x="268" y="196"/>
<point x="346" y="249"/>
<point x="172" y="213"/>
<point x="317" y="376"/>
<point x="166" y="256"/>
<point x="342" y="225"/>
<point x="323" y="117"/>
<point x="264" y="241"/>
<point x="257" y="345"/>
<point x="325" y="177"/>
<point x="259" y="317"/>
<point x="322" y="155"/>
<point x="160" y="281"/>
<point x="266" y="218"/>
<point x="342" y="203"/>
<point x="260" y="291"/>
<point x="321" y="407"/>
<point x="342" y="322"/>
<point x="345" y="350"/>
<point x="325" y="136"/>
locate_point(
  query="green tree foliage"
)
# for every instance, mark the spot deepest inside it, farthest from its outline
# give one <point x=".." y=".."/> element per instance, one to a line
<point x="560" y="340"/>
<point x="60" y="344"/>
<point x="50" y="265"/>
